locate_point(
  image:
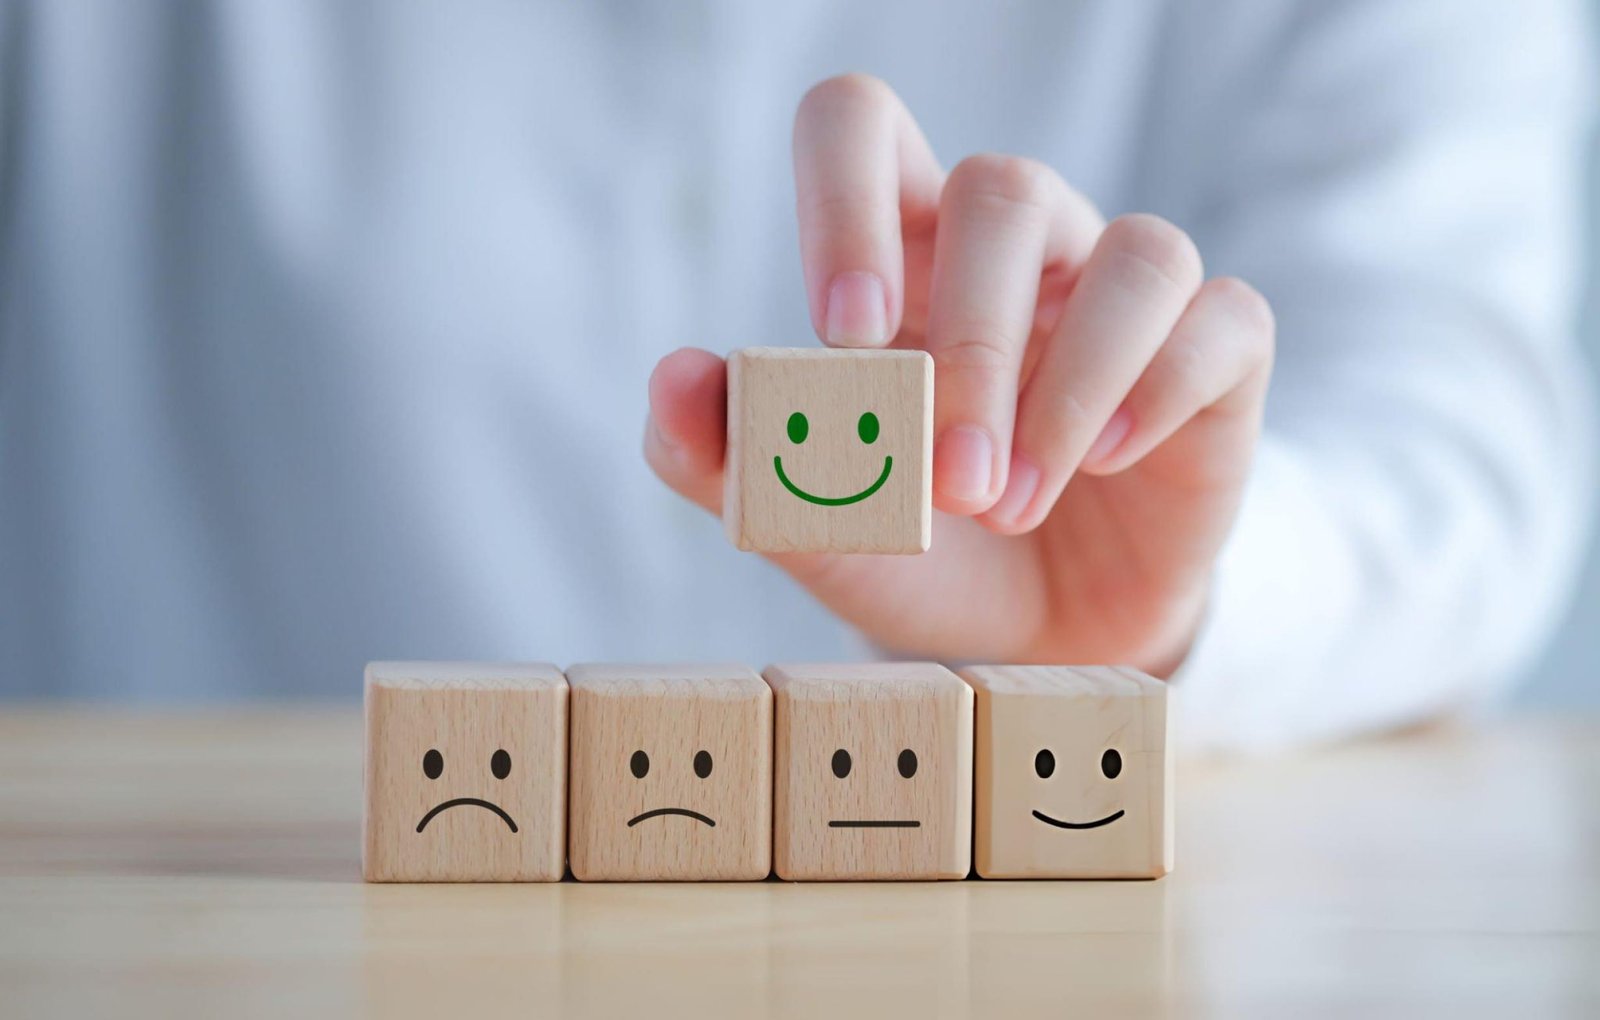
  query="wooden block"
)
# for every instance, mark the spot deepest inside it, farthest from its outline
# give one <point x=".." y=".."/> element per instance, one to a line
<point x="829" y="451"/>
<point x="671" y="773"/>
<point x="466" y="772"/>
<point x="1073" y="776"/>
<point x="872" y="772"/>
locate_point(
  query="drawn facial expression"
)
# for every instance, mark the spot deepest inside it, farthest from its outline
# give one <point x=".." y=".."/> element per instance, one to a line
<point x="467" y="783"/>
<point x="1044" y="766"/>
<point x="873" y="772"/>
<point x="799" y="430"/>
<point x="671" y="773"/>
<point x="1072" y="773"/>
<point x="830" y="450"/>
<point x="433" y="768"/>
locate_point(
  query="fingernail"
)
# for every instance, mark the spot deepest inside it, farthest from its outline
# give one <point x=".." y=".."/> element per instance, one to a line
<point x="1020" y="490"/>
<point x="964" y="462"/>
<point x="1111" y="437"/>
<point x="858" y="315"/>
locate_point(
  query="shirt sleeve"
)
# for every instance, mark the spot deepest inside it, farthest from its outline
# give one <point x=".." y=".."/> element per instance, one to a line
<point x="1404" y="183"/>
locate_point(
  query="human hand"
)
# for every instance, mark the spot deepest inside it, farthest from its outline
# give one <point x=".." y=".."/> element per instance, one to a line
<point x="1096" y="401"/>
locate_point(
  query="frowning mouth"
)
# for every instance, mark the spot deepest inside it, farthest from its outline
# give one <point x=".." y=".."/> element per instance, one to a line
<point x="462" y="801"/>
<point x="1058" y="823"/>
<point x="658" y="812"/>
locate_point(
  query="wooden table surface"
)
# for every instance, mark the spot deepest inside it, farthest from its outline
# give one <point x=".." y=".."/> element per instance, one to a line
<point x="180" y="864"/>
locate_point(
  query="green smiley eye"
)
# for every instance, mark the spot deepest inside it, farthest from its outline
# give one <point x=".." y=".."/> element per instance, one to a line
<point x="799" y="428"/>
<point x="868" y="427"/>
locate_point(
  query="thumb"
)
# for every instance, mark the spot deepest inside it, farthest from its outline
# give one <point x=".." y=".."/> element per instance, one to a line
<point x="687" y="430"/>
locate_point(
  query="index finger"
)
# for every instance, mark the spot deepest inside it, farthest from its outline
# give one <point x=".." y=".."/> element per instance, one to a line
<point x="862" y="171"/>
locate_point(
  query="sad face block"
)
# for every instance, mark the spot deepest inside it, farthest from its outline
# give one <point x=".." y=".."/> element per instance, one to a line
<point x="1073" y="775"/>
<point x="829" y="451"/>
<point x="465" y="773"/>
<point x="872" y="772"/>
<point x="671" y="773"/>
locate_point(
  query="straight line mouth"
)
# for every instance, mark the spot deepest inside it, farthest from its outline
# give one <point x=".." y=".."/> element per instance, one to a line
<point x="870" y="824"/>
<point x="467" y="801"/>
<point x="1107" y="820"/>
<point x="658" y="812"/>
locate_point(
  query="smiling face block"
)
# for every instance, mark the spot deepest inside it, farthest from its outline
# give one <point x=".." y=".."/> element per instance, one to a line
<point x="1073" y="774"/>
<point x="829" y="451"/>
<point x="671" y="773"/>
<point x="872" y="772"/>
<point x="465" y="772"/>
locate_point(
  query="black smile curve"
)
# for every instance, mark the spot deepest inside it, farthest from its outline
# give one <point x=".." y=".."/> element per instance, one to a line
<point x="869" y="824"/>
<point x="658" y="812"/>
<point x="458" y="802"/>
<point x="1107" y="820"/>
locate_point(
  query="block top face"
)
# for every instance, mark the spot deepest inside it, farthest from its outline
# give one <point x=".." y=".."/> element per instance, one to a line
<point x="1131" y="704"/>
<point x="830" y="450"/>
<point x="714" y="682"/>
<point x="873" y="771"/>
<point x="671" y="773"/>
<point x="482" y="676"/>
<point x="863" y="681"/>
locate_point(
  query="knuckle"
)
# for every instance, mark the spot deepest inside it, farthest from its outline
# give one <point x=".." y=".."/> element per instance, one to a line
<point x="1012" y="180"/>
<point x="984" y="351"/>
<point x="1158" y="247"/>
<point x="1246" y="304"/>
<point x="853" y="89"/>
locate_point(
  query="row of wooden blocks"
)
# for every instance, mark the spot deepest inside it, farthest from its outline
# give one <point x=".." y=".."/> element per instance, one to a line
<point x="480" y="772"/>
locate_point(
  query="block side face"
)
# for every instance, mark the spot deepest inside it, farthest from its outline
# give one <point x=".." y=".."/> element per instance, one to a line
<point x="1073" y="820"/>
<point x="497" y="759"/>
<point x="806" y="472"/>
<point x="484" y="676"/>
<point x="642" y="806"/>
<point x="897" y="805"/>
<point x="733" y="475"/>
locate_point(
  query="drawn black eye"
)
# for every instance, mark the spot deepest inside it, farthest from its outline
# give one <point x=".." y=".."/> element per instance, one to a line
<point x="908" y="763"/>
<point x="1111" y="763"/>
<point x="640" y="764"/>
<point x="432" y="764"/>
<point x="1044" y="763"/>
<point x="500" y="764"/>
<point x="841" y="763"/>
<point x="702" y="763"/>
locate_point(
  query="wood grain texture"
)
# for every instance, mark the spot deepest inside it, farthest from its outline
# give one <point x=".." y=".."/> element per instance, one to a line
<point x="1076" y="715"/>
<point x="459" y="717"/>
<point x="833" y="389"/>
<point x="671" y="716"/>
<point x="874" y="713"/>
<point x="206" y="862"/>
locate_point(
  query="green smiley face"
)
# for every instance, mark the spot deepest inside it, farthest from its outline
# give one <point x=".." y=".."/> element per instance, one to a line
<point x="799" y="428"/>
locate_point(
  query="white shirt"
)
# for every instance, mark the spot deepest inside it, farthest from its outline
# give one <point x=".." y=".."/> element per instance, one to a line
<point x="325" y="330"/>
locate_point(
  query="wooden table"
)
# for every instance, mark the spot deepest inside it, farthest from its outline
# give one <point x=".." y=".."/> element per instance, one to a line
<point x="179" y="864"/>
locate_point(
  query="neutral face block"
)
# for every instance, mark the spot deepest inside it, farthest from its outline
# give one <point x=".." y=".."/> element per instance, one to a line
<point x="829" y="450"/>
<point x="872" y="772"/>
<point x="671" y="772"/>
<point x="1073" y="776"/>
<point x="465" y="772"/>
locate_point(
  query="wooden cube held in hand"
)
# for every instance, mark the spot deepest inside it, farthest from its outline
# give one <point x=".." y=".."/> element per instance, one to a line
<point x="872" y="772"/>
<point x="1073" y="774"/>
<point x="465" y="772"/>
<point x="671" y="773"/>
<point x="829" y="450"/>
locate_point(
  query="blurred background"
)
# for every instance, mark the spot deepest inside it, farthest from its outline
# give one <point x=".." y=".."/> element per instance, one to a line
<point x="271" y="275"/>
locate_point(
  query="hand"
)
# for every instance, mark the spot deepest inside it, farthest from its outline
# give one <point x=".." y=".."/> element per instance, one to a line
<point x="1096" y="402"/>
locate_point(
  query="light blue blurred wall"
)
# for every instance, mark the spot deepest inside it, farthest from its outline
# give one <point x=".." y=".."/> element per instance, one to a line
<point x="1569" y="675"/>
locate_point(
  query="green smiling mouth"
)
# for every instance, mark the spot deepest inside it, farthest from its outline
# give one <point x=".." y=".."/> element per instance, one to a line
<point x="777" y="464"/>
